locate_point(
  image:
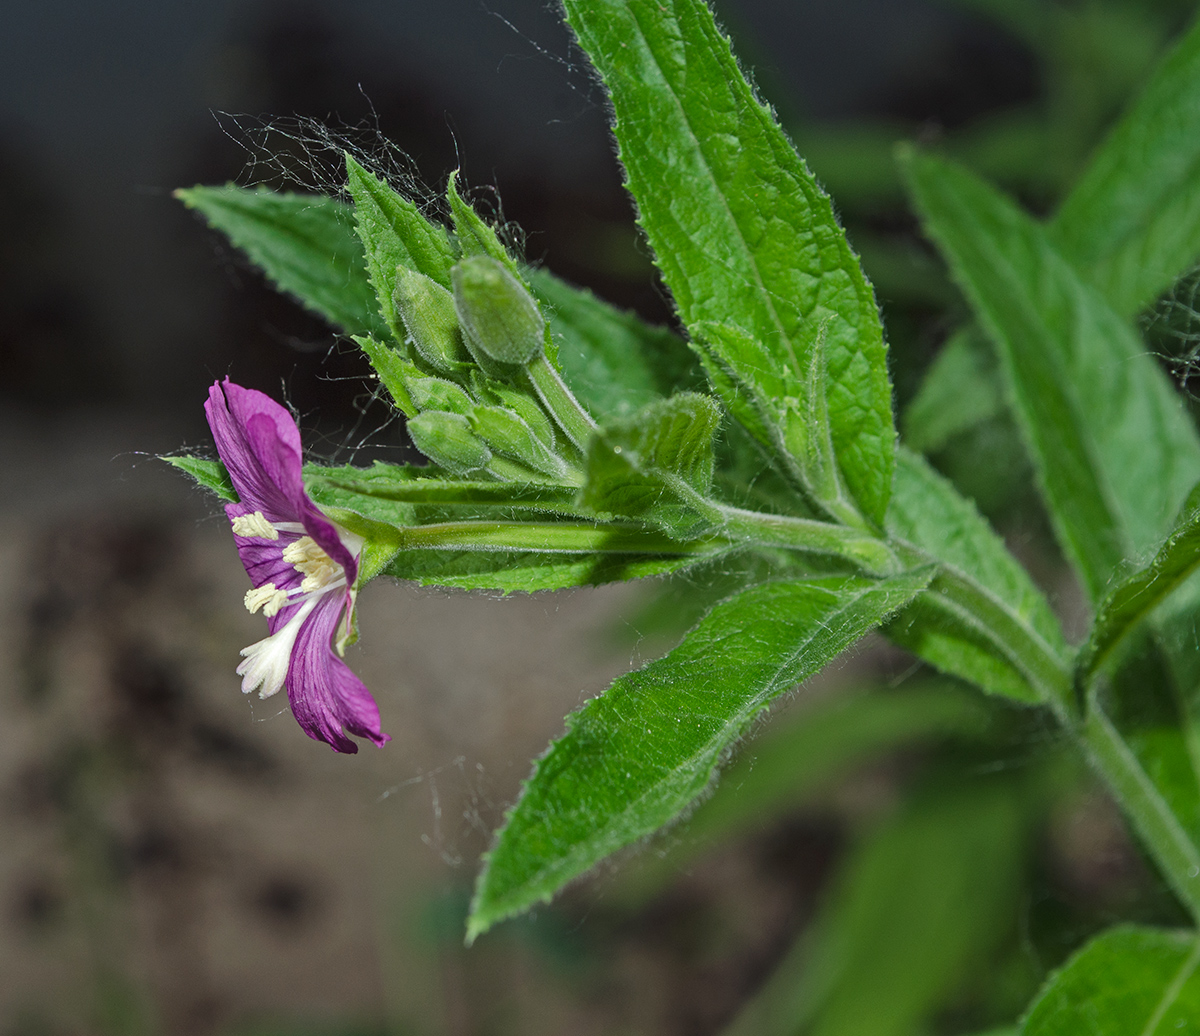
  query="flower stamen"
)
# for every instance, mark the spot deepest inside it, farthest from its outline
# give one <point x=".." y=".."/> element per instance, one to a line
<point x="268" y="597"/>
<point x="317" y="567"/>
<point x="254" y="525"/>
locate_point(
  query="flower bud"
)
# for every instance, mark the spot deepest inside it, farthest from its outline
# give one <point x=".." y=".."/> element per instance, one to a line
<point x="496" y="313"/>
<point x="447" y="440"/>
<point x="439" y="394"/>
<point x="526" y="407"/>
<point x="427" y="310"/>
<point x="510" y="436"/>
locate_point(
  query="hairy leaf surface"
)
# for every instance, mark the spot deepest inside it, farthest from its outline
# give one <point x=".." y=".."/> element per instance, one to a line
<point x="638" y="755"/>
<point x="1114" y="451"/>
<point x="929" y="513"/>
<point x="1137" y="595"/>
<point x="745" y="238"/>
<point x="394" y="233"/>
<point x="1132" y="223"/>
<point x="652" y="464"/>
<point x="805" y="752"/>
<point x="305" y="244"/>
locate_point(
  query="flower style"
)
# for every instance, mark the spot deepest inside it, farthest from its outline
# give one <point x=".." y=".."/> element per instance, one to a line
<point x="303" y="568"/>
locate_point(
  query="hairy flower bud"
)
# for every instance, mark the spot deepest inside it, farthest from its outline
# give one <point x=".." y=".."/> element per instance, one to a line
<point x="496" y="313"/>
<point x="439" y="394"/>
<point x="447" y="440"/>
<point x="427" y="310"/>
<point x="508" y="435"/>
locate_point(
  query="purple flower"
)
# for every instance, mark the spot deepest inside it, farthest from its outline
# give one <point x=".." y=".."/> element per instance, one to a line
<point x="303" y="568"/>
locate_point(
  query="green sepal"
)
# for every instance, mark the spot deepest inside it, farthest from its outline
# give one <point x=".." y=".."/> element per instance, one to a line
<point x="447" y="440"/>
<point x="380" y="546"/>
<point x="440" y="394"/>
<point x="211" y="474"/>
<point x="526" y="407"/>
<point x="426" y="310"/>
<point x="508" y="435"/>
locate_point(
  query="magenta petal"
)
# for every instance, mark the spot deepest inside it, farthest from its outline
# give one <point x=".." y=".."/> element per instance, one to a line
<point x="322" y="530"/>
<point x="259" y="444"/>
<point x="326" y="697"/>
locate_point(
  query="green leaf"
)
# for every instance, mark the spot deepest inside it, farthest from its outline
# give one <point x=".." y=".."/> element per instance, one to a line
<point x="801" y="754"/>
<point x="655" y="464"/>
<point x="304" y="243"/>
<point x="1136" y="596"/>
<point x="474" y="236"/>
<point x="960" y="390"/>
<point x="1114" y="451"/>
<point x="1132" y="223"/>
<point x="394" y="233"/>
<point x="919" y="908"/>
<point x="427" y="485"/>
<point x="1128" y="981"/>
<point x="527" y="571"/>
<point x="928" y="512"/>
<point x="614" y="361"/>
<point x="211" y="474"/>
<point x="743" y="235"/>
<point x="635" y="757"/>
<point x="393" y="371"/>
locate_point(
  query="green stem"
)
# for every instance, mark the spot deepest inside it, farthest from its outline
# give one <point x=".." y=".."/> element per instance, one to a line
<point x="1159" y="828"/>
<point x="1047" y="672"/>
<point x="558" y="399"/>
<point x="779" y="530"/>
<point x="550" y="537"/>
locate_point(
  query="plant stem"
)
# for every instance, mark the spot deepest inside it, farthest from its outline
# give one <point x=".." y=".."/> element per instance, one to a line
<point x="1159" y="828"/>
<point x="550" y="537"/>
<point x="558" y="399"/>
<point x="778" y="530"/>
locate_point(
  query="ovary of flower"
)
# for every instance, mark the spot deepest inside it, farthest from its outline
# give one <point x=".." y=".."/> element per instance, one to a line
<point x="268" y="597"/>
<point x="254" y="525"/>
<point x="265" y="664"/>
<point x="317" y="567"/>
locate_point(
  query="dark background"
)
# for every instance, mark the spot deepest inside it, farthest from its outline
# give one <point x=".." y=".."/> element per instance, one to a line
<point x="112" y="296"/>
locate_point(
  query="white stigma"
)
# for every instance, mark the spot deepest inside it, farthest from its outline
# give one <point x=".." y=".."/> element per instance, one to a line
<point x="268" y="597"/>
<point x="254" y="525"/>
<point x="266" y="662"/>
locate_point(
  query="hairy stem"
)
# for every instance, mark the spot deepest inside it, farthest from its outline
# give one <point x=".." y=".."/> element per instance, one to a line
<point x="559" y="400"/>
<point x="1159" y="828"/>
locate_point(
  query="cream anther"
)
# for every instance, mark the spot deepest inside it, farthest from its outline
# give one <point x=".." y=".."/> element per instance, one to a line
<point x="267" y="597"/>
<point x="318" y="568"/>
<point x="254" y="525"/>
